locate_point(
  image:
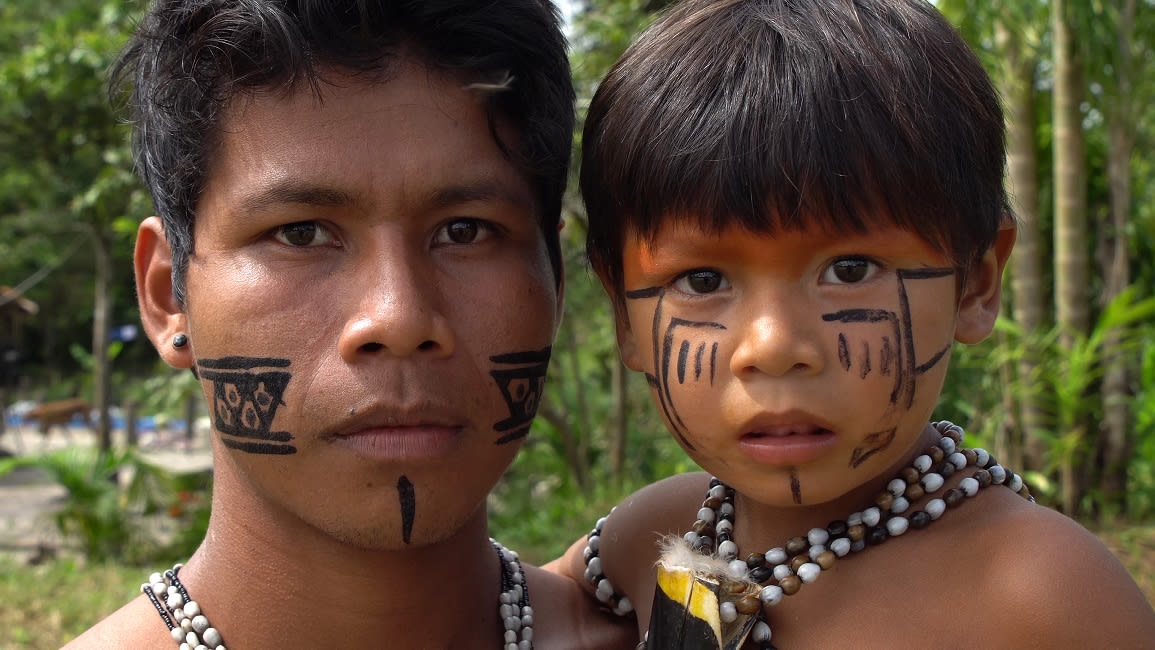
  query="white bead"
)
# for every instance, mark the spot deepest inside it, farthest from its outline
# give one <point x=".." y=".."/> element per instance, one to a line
<point x="982" y="456"/>
<point x="192" y="639"/>
<point x="896" y="486"/>
<point x="174" y="600"/>
<point x="191" y="609"/>
<point x="506" y="610"/>
<point x="969" y="486"/>
<point x="816" y="550"/>
<point x="817" y="536"/>
<point x="761" y="632"/>
<point x="178" y="613"/>
<point x="202" y="647"/>
<point x="154" y="578"/>
<point x="728" y="550"/>
<point x="706" y="515"/>
<point x="871" y="516"/>
<point x="935" y="508"/>
<point x="854" y="519"/>
<point x="724" y="526"/>
<point x="594" y="543"/>
<point x="931" y="482"/>
<point x="896" y="526"/>
<point x="998" y="474"/>
<point x="526" y="620"/>
<point x="527" y="610"/>
<point x="781" y="571"/>
<point x="771" y="595"/>
<point x="595" y="566"/>
<point x="922" y="463"/>
<point x="728" y="612"/>
<point x="840" y="546"/>
<point x="690" y="537"/>
<point x="177" y="634"/>
<point x="809" y="571"/>
<point x="1016" y="483"/>
<point x="510" y="636"/>
<point x="601" y="521"/>
<point x="738" y="568"/>
<point x="185" y="646"/>
<point x="899" y="505"/>
<point x="604" y="590"/>
<point x="200" y="624"/>
<point x="958" y="460"/>
<point x="186" y="625"/>
<point x="718" y="492"/>
<point x="511" y="646"/>
<point x="726" y="510"/>
<point x="947" y="445"/>
<point x="513" y="623"/>
<point x="624" y="607"/>
<point x="776" y="555"/>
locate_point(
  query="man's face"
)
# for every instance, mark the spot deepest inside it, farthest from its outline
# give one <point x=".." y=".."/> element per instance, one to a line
<point x="370" y="305"/>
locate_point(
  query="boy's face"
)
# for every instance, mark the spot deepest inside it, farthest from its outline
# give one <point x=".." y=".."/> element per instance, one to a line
<point x="799" y="366"/>
<point x="370" y="305"/>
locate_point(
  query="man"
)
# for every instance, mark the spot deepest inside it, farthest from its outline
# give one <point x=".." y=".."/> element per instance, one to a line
<point x="357" y="254"/>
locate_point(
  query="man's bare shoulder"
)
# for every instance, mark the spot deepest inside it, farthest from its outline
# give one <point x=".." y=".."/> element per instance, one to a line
<point x="566" y="618"/>
<point x="135" y="625"/>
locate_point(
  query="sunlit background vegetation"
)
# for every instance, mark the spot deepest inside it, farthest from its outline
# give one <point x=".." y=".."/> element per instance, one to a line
<point x="1064" y="392"/>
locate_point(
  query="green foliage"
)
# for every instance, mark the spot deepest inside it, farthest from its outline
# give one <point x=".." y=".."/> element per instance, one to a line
<point x="120" y="507"/>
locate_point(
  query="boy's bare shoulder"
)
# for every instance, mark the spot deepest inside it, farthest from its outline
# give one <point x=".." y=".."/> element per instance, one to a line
<point x="1043" y="580"/>
<point x="135" y="625"/>
<point x="567" y="618"/>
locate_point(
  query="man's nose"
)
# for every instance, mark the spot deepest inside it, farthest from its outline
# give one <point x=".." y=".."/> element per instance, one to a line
<point x="399" y="310"/>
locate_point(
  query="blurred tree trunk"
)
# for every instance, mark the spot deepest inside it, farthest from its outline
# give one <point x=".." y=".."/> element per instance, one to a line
<point x="101" y="308"/>
<point x="1024" y="450"/>
<point x="1072" y="306"/>
<point x="1115" y="429"/>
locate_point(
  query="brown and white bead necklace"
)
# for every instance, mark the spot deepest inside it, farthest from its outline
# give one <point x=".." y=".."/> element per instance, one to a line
<point x="192" y="630"/>
<point x="781" y="571"/>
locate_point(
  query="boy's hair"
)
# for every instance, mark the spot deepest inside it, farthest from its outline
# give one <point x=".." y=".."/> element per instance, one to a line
<point x="779" y="114"/>
<point x="189" y="59"/>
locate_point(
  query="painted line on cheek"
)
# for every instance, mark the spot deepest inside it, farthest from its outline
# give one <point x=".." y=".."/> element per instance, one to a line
<point x="865" y="360"/>
<point x="886" y="356"/>
<point x="698" y="361"/>
<point x="843" y="352"/>
<point x="713" y="362"/>
<point x="872" y="444"/>
<point x="408" y="506"/>
<point x="683" y="355"/>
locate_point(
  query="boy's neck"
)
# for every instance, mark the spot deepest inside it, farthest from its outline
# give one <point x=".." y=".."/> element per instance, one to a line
<point x="757" y="524"/>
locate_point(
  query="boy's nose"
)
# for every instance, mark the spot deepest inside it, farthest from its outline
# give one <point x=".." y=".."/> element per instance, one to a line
<point x="399" y="313"/>
<point x="777" y="342"/>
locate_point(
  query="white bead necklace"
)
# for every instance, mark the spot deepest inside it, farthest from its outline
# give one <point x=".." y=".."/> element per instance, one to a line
<point x="192" y="631"/>
<point x="781" y="571"/>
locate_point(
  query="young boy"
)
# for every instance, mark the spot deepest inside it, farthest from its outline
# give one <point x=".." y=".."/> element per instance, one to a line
<point x="797" y="208"/>
<point x="356" y="251"/>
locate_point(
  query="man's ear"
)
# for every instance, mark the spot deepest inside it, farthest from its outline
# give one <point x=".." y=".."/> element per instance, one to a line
<point x="979" y="305"/>
<point x="160" y="311"/>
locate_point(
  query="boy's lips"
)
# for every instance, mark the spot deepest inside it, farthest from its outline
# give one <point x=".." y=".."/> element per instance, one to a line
<point x="788" y="439"/>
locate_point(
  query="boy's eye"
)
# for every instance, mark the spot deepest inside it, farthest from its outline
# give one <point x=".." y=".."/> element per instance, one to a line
<point x="701" y="281"/>
<point x="463" y="231"/>
<point x="303" y="233"/>
<point x="849" y="270"/>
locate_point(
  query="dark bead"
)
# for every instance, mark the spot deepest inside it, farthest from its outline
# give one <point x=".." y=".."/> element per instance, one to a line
<point x="876" y="535"/>
<point x="971" y="456"/>
<point x="797" y="561"/>
<point x="703" y="528"/>
<point x="954" y="496"/>
<point x="914" y="492"/>
<point x="825" y="559"/>
<point x="748" y="605"/>
<point x="856" y="533"/>
<point x="946" y="470"/>
<point x="723" y="537"/>
<point x="797" y="545"/>
<point x="991" y="462"/>
<point x="761" y="574"/>
<point x="884" y="500"/>
<point x="712" y="503"/>
<point x="755" y="560"/>
<point x="909" y="474"/>
<point x="715" y="481"/>
<point x="983" y="477"/>
<point x="920" y="520"/>
<point x="790" y="585"/>
<point x="837" y="528"/>
<point x="936" y="453"/>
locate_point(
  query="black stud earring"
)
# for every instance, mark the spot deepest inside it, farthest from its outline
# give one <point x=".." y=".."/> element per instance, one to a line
<point x="179" y="341"/>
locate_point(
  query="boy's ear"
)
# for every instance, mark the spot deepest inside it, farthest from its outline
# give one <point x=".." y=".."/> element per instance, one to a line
<point x="979" y="305"/>
<point x="160" y="311"/>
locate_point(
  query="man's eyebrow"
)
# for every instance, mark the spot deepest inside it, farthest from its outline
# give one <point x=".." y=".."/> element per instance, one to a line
<point x="288" y="192"/>
<point x="445" y="197"/>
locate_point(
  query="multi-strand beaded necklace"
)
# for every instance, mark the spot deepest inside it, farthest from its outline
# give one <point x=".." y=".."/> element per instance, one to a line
<point x="781" y="571"/>
<point x="192" y="630"/>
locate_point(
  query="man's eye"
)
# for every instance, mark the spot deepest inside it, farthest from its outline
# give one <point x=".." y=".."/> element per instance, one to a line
<point x="849" y="270"/>
<point x="701" y="281"/>
<point x="464" y="231"/>
<point x="303" y="233"/>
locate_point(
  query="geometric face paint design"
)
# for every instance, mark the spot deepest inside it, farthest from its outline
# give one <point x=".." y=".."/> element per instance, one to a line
<point x="246" y="394"/>
<point x="408" y="506"/>
<point x="684" y="351"/>
<point x="522" y="385"/>
<point x="882" y="341"/>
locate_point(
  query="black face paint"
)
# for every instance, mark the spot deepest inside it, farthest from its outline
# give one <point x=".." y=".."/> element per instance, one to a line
<point x="871" y="445"/>
<point x="686" y="333"/>
<point x="408" y="506"/>
<point x="246" y="394"/>
<point x="795" y="486"/>
<point x="900" y="356"/>
<point x="522" y="385"/>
